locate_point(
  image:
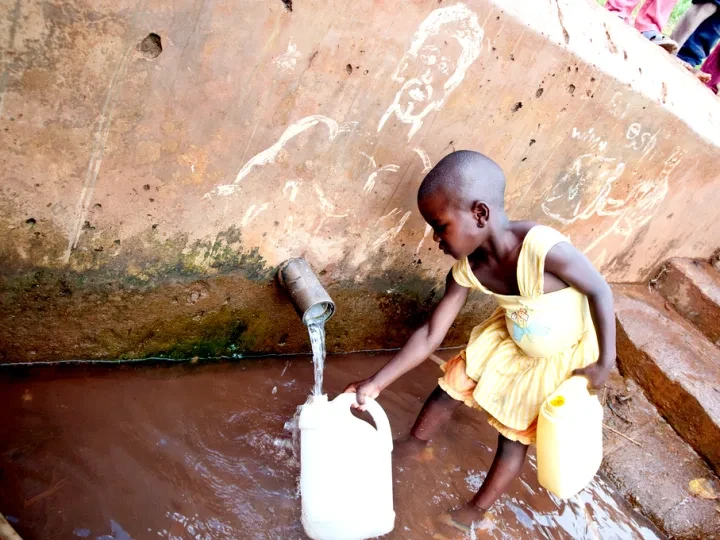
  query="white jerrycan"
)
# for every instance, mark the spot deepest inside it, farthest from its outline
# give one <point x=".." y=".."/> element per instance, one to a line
<point x="569" y="438"/>
<point x="345" y="470"/>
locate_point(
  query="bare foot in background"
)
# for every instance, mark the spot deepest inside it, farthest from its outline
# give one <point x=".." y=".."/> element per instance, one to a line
<point x="701" y="75"/>
<point x="412" y="448"/>
<point x="464" y="522"/>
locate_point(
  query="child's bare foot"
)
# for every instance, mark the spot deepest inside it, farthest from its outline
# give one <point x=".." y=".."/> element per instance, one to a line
<point x="466" y="519"/>
<point x="413" y="448"/>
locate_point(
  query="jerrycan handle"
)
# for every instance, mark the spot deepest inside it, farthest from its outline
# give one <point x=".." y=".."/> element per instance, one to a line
<point x="376" y="411"/>
<point x="583" y="383"/>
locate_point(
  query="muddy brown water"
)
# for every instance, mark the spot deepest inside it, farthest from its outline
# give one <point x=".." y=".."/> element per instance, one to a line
<point x="199" y="451"/>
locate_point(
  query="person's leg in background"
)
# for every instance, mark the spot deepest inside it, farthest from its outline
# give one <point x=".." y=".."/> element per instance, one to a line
<point x="701" y="42"/>
<point x="698" y="11"/>
<point x="652" y="18"/>
<point x="623" y="8"/>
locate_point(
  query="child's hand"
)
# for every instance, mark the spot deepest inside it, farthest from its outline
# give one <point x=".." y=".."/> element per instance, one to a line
<point x="363" y="390"/>
<point x="596" y="373"/>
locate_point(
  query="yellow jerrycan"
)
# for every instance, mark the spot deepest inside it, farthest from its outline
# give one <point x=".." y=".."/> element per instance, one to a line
<point x="569" y="438"/>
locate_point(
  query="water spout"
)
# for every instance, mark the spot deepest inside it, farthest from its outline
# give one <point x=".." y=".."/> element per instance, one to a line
<point x="311" y="300"/>
<point x="314" y="306"/>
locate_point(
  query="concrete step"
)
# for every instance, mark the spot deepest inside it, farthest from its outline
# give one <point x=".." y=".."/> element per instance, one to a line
<point x="677" y="367"/>
<point x="693" y="288"/>
<point x="638" y="446"/>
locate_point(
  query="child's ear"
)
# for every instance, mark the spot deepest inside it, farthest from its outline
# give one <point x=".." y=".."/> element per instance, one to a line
<point x="481" y="213"/>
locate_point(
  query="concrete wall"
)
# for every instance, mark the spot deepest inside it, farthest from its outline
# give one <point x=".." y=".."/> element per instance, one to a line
<point x="146" y="199"/>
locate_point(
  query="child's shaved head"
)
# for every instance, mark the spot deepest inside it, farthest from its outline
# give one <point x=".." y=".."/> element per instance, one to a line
<point x="464" y="177"/>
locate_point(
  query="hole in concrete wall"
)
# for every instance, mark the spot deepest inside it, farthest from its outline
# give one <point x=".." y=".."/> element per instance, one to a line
<point x="146" y="187"/>
<point x="517" y="106"/>
<point x="87" y="227"/>
<point x="151" y="46"/>
<point x="539" y="92"/>
<point x="348" y="68"/>
<point x="116" y="242"/>
<point x="30" y="222"/>
<point x="287" y="4"/>
<point x="97" y="206"/>
<point x="571" y="89"/>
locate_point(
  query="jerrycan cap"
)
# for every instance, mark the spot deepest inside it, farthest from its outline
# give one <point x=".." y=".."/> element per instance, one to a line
<point x="561" y="402"/>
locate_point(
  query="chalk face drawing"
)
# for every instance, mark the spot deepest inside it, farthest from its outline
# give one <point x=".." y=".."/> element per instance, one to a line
<point x="584" y="190"/>
<point x="440" y="71"/>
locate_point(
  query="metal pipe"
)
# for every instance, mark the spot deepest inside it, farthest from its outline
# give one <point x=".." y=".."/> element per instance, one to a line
<point x="311" y="300"/>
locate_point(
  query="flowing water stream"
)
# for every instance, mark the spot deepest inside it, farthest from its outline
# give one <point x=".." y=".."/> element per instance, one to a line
<point x="317" y="340"/>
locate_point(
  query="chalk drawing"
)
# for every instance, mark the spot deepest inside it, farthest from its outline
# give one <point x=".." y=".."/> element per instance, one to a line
<point x="370" y="159"/>
<point x="641" y="141"/>
<point x="370" y="183"/>
<point x="640" y="205"/>
<point x="269" y="154"/>
<point x="574" y="196"/>
<point x="393" y="231"/>
<point x="96" y="156"/>
<point x="292" y="186"/>
<point x="414" y="101"/>
<point x="287" y="61"/>
<point x="347" y="127"/>
<point x="617" y="108"/>
<point x="327" y="206"/>
<point x="595" y="141"/>
<point x="427" y="164"/>
<point x="428" y="232"/>
<point x="253" y="212"/>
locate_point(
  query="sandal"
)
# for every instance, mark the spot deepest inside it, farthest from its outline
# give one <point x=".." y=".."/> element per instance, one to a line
<point x="661" y="40"/>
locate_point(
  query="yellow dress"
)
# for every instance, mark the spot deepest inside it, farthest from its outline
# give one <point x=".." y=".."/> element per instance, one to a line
<point x="528" y="346"/>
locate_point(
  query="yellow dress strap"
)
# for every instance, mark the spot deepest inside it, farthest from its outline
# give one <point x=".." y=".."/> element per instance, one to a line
<point x="531" y="263"/>
<point x="462" y="273"/>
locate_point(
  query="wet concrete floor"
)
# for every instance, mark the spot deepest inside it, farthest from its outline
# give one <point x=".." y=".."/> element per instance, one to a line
<point x="199" y="451"/>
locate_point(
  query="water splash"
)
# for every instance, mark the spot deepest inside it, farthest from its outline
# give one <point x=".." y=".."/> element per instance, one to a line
<point x="316" y="330"/>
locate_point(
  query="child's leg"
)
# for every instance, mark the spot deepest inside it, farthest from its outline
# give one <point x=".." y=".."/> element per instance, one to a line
<point x="437" y="410"/>
<point x="506" y="466"/>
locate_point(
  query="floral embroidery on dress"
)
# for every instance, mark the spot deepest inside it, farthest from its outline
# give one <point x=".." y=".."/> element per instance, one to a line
<point x="524" y="327"/>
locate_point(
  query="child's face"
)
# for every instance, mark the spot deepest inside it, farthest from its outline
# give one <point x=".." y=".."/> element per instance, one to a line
<point x="455" y="229"/>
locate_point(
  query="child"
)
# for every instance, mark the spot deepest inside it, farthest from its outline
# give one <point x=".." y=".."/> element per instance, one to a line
<point x="555" y="319"/>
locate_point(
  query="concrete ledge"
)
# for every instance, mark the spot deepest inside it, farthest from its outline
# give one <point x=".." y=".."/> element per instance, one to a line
<point x="675" y="365"/>
<point x="693" y="288"/>
<point x="661" y="455"/>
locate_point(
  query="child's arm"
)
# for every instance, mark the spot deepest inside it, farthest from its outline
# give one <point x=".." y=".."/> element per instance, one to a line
<point x="423" y="342"/>
<point x="570" y="265"/>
